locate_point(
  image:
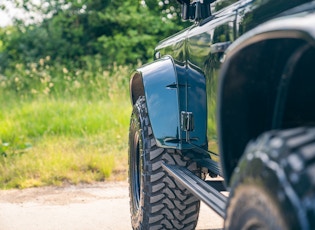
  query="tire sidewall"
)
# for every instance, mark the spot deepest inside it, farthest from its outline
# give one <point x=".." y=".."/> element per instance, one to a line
<point x="138" y="129"/>
<point x="251" y="207"/>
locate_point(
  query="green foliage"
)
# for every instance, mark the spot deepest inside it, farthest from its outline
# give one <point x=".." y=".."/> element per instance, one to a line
<point x="64" y="86"/>
<point x="121" y="32"/>
<point x="74" y="132"/>
<point x="13" y="147"/>
<point x="35" y="80"/>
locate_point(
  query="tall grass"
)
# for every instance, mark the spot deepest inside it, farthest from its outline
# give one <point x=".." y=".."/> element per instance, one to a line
<point x="59" y="125"/>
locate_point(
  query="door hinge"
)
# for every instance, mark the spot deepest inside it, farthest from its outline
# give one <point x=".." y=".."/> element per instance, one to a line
<point x="187" y="121"/>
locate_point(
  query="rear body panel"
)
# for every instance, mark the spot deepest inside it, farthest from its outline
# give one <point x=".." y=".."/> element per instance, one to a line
<point x="223" y="86"/>
<point x="204" y="50"/>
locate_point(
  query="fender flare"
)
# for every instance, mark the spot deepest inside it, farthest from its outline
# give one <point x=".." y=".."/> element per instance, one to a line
<point x="161" y="84"/>
<point x="234" y="134"/>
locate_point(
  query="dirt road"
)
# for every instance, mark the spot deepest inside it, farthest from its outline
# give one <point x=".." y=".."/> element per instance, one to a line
<point x="84" y="207"/>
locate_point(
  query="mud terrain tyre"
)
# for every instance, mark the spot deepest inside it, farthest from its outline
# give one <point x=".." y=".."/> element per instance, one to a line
<point x="273" y="186"/>
<point x="156" y="200"/>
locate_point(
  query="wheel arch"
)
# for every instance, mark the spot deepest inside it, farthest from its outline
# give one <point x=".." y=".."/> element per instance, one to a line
<point x="136" y="87"/>
<point x="152" y="81"/>
<point x="251" y="82"/>
<point x="161" y="82"/>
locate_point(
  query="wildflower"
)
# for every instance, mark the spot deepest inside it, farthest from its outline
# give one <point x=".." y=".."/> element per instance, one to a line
<point x="64" y="70"/>
<point x="46" y="91"/>
<point x="18" y="66"/>
<point x="77" y="84"/>
<point x="41" y="62"/>
<point x="33" y="67"/>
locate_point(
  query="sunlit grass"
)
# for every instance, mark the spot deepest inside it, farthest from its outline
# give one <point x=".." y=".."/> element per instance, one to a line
<point x="63" y="117"/>
<point x="51" y="142"/>
<point x="79" y="136"/>
<point x="55" y="161"/>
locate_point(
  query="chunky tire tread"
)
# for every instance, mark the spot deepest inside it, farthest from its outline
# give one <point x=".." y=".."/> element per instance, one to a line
<point x="167" y="204"/>
<point x="249" y="200"/>
<point x="293" y="150"/>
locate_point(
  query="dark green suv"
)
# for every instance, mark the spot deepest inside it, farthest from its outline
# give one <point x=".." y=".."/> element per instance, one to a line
<point x="227" y="105"/>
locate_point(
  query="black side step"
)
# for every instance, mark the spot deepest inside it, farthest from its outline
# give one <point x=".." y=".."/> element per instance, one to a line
<point x="213" y="166"/>
<point x="217" y="185"/>
<point x="204" y="191"/>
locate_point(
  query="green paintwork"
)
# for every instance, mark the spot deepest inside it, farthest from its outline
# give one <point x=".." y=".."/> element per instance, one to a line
<point x="201" y="50"/>
<point x="188" y="74"/>
<point x="165" y="85"/>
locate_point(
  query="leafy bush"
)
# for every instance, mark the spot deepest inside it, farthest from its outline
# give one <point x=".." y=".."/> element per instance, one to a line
<point x="121" y="32"/>
<point x="64" y="87"/>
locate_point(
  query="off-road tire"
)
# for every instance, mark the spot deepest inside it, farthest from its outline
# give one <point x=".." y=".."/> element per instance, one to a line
<point x="273" y="186"/>
<point x="157" y="201"/>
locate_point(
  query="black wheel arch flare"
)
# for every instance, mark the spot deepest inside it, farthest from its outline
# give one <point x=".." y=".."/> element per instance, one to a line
<point x="251" y="85"/>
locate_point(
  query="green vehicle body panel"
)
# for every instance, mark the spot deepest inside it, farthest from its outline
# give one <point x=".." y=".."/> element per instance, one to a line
<point x="217" y="70"/>
<point x="165" y="87"/>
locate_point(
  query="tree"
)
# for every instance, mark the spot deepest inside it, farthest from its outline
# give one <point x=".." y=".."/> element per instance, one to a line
<point x="120" y="31"/>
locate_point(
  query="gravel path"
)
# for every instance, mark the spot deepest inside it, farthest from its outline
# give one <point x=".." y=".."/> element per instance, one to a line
<point x="84" y="207"/>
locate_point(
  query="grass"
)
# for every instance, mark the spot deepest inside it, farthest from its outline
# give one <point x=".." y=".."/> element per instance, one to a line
<point x="68" y="135"/>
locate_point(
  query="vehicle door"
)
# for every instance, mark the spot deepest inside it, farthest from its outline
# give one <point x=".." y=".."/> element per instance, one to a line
<point x="206" y="43"/>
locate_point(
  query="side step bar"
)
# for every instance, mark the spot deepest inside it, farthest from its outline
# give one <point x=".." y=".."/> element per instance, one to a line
<point x="201" y="189"/>
<point x="211" y="165"/>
